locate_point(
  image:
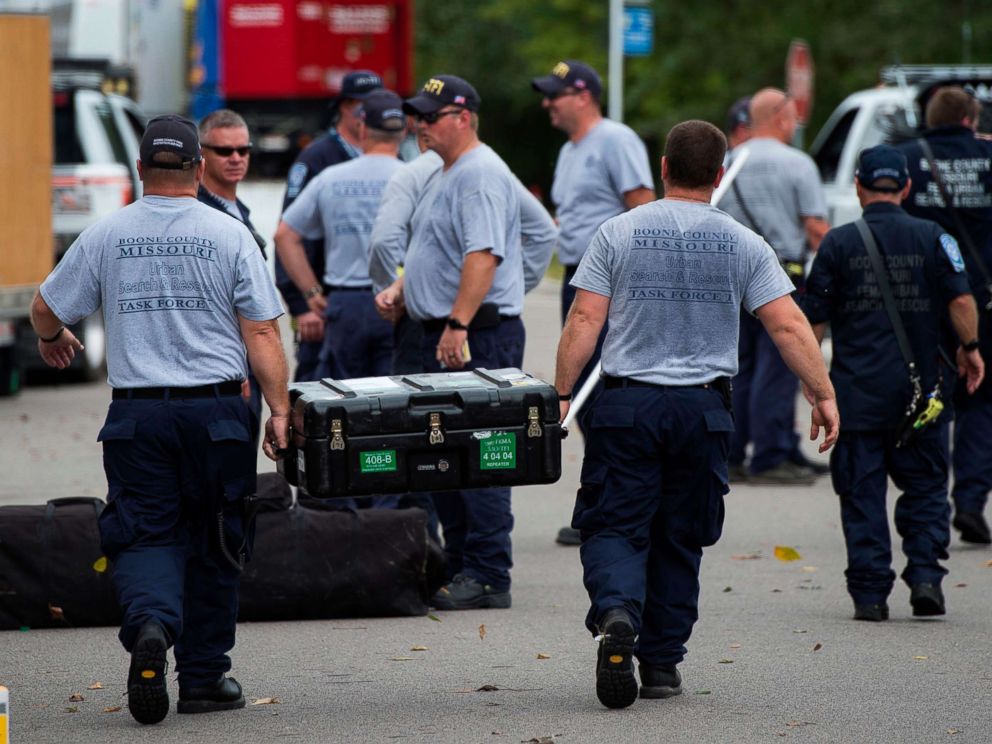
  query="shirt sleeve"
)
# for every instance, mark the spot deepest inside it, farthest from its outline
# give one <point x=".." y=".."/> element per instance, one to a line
<point x="72" y="290"/>
<point x="482" y="217"/>
<point x="303" y="215"/>
<point x="821" y="290"/>
<point x="809" y="189"/>
<point x="391" y="229"/>
<point x="766" y="280"/>
<point x="952" y="280"/>
<point x="628" y="164"/>
<point x="594" y="272"/>
<point x="255" y="295"/>
<point x="538" y="235"/>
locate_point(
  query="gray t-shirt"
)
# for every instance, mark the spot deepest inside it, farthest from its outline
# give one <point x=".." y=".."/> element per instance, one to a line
<point x="677" y="274"/>
<point x="591" y="177"/>
<point x="408" y="187"/>
<point x="339" y="205"/>
<point x="172" y="276"/>
<point x="780" y="186"/>
<point x="473" y="207"/>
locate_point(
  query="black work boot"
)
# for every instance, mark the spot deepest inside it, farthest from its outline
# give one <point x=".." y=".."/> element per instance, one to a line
<point x="568" y="535"/>
<point x="465" y="593"/>
<point x="927" y="600"/>
<point x="660" y="681"/>
<point x="224" y="694"/>
<point x="147" y="696"/>
<point x="616" y="686"/>
<point x="973" y="528"/>
<point x="874" y="613"/>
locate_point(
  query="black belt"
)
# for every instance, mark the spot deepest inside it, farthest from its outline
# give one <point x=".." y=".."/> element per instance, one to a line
<point x="433" y="325"/>
<point x="626" y="382"/>
<point x="328" y="288"/>
<point x="216" y="390"/>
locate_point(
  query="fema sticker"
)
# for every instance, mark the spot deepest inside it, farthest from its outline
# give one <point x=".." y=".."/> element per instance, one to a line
<point x="296" y="179"/>
<point x="950" y="246"/>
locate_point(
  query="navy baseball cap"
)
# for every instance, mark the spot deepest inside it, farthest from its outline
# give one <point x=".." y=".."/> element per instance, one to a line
<point x="358" y="84"/>
<point x="739" y="114"/>
<point x="441" y="91"/>
<point x="880" y="163"/>
<point x="171" y="134"/>
<point x="569" y="73"/>
<point x="383" y="109"/>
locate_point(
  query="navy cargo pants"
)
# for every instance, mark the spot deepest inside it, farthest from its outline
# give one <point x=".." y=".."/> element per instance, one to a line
<point x="653" y="481"/>
<point x="357" y="341"/>
<point x="860" y="465"/>
<point x="477" y="523"/>
<point x="972" y="456"/>
<point x="177" y="473"/>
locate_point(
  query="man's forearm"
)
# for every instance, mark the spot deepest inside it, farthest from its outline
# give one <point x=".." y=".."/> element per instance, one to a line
<point x="964" y="317"/>
<point x="289" y="247"/>
<point x="268" y="364"/>
<point x="801" y="352"/>
<point x="45" y="322"/>
<point x="478" y="272"/>
<point x="575" y="349"/>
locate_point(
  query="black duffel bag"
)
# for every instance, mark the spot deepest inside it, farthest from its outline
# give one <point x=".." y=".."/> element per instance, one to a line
<point x="52" y="571"/>
<point x="312" y="561"/>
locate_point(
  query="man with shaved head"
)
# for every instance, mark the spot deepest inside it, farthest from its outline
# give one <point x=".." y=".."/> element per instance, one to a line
<point x="779" y="195"/>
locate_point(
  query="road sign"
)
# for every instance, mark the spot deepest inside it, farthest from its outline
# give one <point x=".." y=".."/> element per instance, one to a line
<point x="799" y="77"/>
<point x="638" y="31"/>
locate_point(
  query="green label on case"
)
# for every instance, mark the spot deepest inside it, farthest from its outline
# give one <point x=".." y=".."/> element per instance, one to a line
<point x="498" y="452"/>
<point x="378" y="461"/>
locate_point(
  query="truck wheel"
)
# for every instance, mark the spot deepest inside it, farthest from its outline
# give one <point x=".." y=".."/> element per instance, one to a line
<point x="93" y="360"/>
<point x="10" y="372"/>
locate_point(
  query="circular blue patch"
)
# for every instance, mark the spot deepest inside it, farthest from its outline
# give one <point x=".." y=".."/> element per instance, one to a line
<point x="951" y="250"/>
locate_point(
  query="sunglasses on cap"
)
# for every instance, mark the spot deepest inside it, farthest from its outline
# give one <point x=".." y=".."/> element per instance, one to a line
<point x="432" y="117"/>
<point x="226" y="152"/>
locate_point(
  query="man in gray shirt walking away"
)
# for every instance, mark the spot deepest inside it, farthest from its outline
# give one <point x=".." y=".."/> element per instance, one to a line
<point x="602" y="171"/>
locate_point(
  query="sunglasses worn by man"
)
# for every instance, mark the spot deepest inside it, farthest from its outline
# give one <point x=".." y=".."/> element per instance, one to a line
<point x="432" y="117"/>
<point x="226" y="152"/>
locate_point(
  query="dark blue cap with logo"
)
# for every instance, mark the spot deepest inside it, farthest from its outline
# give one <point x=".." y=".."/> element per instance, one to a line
<point x="441" y="91"/>
<point x="358" y="84"/>
<point x="171" y="134"/>
<point x="570" y="73"/>
<point x="739" y="114"/>
<point x="383" y="109"/>
<point x="882" y="168"/>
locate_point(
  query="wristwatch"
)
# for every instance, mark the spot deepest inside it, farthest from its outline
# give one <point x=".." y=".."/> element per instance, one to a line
<point x="970" y="346"/>
<point x="456" y="325"/>
<point x="315" y="290"/>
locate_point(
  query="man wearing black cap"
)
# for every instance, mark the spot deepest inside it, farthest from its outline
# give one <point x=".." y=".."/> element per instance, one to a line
<point x="960" y="200"/>
<point x="338" y="207"/>
<point x="602" y="171"/>
<point x="339" y="145"/>
<point x="464" y="282"/>
<point x="891" y="379"/>
<point x="184" y="291"/>
<point x="738" y="125"/>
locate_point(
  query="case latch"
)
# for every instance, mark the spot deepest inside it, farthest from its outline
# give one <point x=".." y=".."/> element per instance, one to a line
<point x="436" y="436"/>
<point x="337" y="441"/>
<point x="534" y="430"/>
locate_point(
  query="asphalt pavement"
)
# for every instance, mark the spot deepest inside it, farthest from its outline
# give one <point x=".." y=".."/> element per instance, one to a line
<point x="775" y="654"/>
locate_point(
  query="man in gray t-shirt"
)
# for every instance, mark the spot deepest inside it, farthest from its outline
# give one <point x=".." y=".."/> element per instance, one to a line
<point x="602" y="171"/>
<point x="671" y="277"/>
<point x="184" y="292"/>
<point x="464" y="282"/>
<point x="339" y="206"/>
<point x="778" y="194"/>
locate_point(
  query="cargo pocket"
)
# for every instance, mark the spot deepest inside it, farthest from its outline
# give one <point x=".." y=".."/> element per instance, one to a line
<point x="232" y="450"/>
<point x="238" y="530"/>
<point x="587" y="514"/>
<point x="117" y="430"/>
<point x="709" y="521"/>
<point x="117" y="530"/>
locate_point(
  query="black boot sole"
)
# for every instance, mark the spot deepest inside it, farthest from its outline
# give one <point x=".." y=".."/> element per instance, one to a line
<point x="616" y="685"/>
<point x="147" y="695"/>
<point x="927" y="607"/>
<point x="660" y="692"/>
<point x="209" y="706"/>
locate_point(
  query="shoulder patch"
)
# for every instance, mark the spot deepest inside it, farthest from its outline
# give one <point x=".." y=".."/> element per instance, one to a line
<point x="296" y="179"/>
<point x="950" y="246"/>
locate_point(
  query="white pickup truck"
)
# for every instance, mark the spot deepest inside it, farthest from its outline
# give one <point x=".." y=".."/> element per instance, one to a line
<point x="97" y="136"/>
<point x="893" y="111"/>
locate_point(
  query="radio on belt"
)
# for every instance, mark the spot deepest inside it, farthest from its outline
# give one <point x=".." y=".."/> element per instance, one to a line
<point x="426" y="432"/>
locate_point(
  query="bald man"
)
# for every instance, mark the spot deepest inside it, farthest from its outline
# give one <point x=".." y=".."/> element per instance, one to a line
<point x="779" y="195"/>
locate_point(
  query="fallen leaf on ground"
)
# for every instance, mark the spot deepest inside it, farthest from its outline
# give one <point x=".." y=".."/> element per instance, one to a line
<point x="482" y="632"/>
<point x="810" y="569"/>
<point x="818" y="646"/>
<point x="728" y="589"/>
<point x="487" y="688"/>
<point x="497" y="733"/>
<point x="800" y="630"/>
<point x="953" y="731"/>
<point x="543" y="657"/>
<point x="726" y="661"/>
<point x="541" y="740"/>
<point x="76" y="698"/>
<point x="776" y="591"/>
<point x="797" y="724"/>
<point x="735" y="645"/>
<point x="404" y="658"/>
<point x="419" y="648"/>
<point x="95" y="686"/>
<point x="267" y="701"/>
<point x="961" y="585"/>
<point x="702" y="692"/>
<point x="785" y="553"/>
<point x="746" y="557"/>
<point x="73" y="709"/>
<point x="920" y="658"/>
<point x="435" y="618"/>
<point x="112" y="709"/>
